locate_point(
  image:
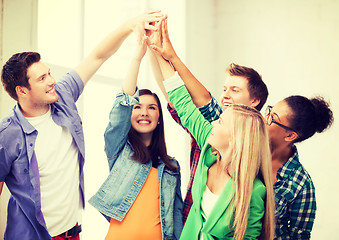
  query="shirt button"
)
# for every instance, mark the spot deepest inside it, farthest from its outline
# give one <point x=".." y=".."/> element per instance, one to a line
<point x="163" y="221"/>
<point x="162" y="203"/>
<point x="166" y="238"/>
<point x="31" y="144"/>
<point x="8" y="120"/>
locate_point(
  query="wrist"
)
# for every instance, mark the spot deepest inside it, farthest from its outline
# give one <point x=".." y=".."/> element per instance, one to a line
<point x="130" y="25"/>
<point x="137" y="59"/>
<point x="174" y="59"/>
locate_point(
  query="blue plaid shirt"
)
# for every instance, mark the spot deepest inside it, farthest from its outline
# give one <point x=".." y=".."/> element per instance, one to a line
<point x="294" y="192"/>
<point x="212" y="110"/>
<point x="295" y="200"/>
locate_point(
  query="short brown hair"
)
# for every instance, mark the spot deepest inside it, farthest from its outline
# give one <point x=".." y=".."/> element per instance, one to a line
<point x="14" y="72"/>
<point x="256" y="86"/>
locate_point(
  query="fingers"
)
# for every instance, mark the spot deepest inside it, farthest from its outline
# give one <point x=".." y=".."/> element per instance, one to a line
<point x="151" y="10"/>
<point x="148" y="26"/>
<point x="165" y="31"/>
<point x="158" y="24"/>
<point x="155" y="48"/>
<point x="153" y="17"/>
<point x="140" y="32"/>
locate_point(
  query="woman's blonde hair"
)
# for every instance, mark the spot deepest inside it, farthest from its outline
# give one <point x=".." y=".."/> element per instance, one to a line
<point x="251" y="159"/>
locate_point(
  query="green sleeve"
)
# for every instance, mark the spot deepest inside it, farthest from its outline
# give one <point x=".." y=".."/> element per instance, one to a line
<point x="190" y="115"/>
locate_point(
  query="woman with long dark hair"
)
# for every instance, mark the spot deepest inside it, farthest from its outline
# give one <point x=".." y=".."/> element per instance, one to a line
<point x="141" y="197"/>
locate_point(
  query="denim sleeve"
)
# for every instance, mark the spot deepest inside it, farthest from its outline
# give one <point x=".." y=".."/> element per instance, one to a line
<point x="178" y="206"/>
<point x="212" y="110"/>
<point x="119" y="124"/>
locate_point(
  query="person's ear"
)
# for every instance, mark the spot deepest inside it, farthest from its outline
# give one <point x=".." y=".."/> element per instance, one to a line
<point x="291" y="136"/>
<point x="21" y="91"/>
<point x="255" y="102"/>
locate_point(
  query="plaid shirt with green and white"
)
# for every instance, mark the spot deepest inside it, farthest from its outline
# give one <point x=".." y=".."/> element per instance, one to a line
<point x="295" y="200"/>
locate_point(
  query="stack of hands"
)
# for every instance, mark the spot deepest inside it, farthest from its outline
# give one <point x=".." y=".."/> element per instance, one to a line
<point x="152" y="33"/>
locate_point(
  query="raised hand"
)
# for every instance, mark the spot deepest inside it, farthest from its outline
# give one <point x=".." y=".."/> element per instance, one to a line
<point x="154" y="36"/>
<point x="130" y="83"/>
<point x="146" y="22"/>
<point x="141" y="48"/>
<point x="165" y="49"/>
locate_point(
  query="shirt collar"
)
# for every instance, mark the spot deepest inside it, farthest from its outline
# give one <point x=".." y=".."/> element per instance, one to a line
<point x="26" y="126"/>
<point x="286" y="168"/>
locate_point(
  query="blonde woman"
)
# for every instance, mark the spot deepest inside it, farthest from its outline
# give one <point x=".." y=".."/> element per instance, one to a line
<point x="232" y="189"/>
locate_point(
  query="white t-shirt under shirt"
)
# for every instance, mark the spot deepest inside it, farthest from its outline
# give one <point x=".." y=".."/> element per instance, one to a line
<point x="57" y="158"/>
<point x="208" y="202"/>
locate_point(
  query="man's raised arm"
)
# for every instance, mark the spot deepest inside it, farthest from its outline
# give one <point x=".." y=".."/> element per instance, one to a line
<point x="113" y="41"/>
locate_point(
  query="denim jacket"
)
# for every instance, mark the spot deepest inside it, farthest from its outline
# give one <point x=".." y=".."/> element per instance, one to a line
<point x="126" y="177"/>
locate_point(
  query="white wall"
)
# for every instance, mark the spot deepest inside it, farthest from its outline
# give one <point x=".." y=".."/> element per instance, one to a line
<point x="294" y="46"/>
<point x="17" y="34"/>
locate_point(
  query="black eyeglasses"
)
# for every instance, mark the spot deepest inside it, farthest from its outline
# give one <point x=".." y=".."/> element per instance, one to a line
<point x="270" y="119"/>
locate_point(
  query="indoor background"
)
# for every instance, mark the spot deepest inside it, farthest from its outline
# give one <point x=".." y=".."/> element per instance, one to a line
<point x="293" y="44"/>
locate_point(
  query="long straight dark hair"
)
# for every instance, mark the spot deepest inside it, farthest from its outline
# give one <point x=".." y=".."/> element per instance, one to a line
<point x="157" y="149"/>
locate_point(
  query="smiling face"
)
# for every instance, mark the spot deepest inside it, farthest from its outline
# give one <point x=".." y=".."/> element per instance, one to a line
<point x="277" y="134"/>
<point x="145" y="115"/>
<point x="42" y="91"/>
<point x="221" y="134"/>
<point x="235" y="91"/>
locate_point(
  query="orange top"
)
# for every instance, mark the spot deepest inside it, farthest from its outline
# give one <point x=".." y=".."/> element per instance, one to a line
<point x="142" y="221"/>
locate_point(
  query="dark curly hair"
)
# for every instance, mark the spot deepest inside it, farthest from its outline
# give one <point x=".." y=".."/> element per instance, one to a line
<point x="309" y="116"/>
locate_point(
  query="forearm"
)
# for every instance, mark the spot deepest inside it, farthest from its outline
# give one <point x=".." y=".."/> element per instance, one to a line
<point x="130" y="83"/>
<point x="103" y="51"/>
<point x="166" y="68"/>
<point x="159" y="78"/>
<point x="200" y="95"/>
